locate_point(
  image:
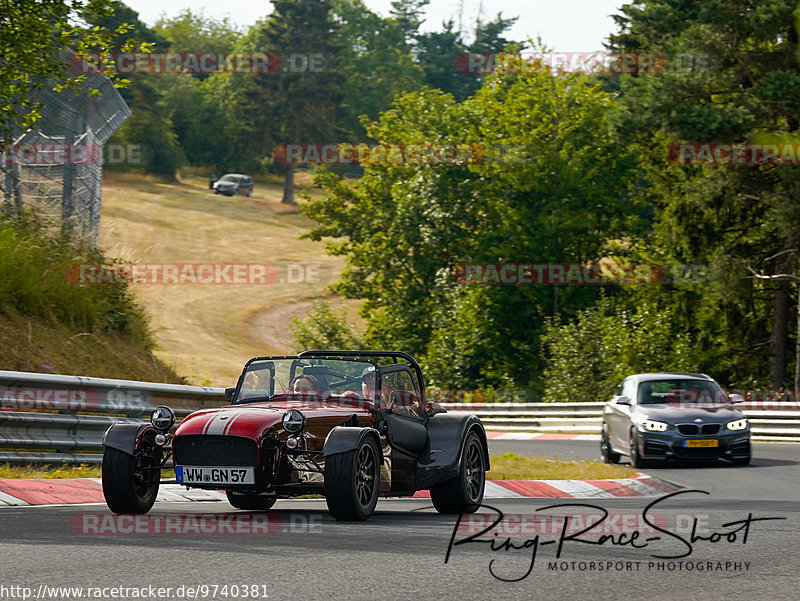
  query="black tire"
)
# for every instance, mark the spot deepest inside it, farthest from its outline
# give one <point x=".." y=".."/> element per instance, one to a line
<point x="127" y="487"/>
<point x="352" y="480"/>
<point x="250" y="502"/>
<point x="464" y="493"/>
<point x="636" y="459"/>
<point x="606" y="453"/>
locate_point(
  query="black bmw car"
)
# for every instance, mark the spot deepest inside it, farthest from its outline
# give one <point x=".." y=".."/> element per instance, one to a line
<point x="673" y="416"/>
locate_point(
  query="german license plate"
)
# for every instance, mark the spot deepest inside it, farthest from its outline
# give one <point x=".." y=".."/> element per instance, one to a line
<point x="186" y="474"/>
<point x="701" y="443"/>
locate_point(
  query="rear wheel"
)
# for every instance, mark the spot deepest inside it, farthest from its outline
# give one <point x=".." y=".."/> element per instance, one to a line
<point x="464" y="493"/>
<point x="130" y="485"/>
<point x="606" y="453"/>
<point x="250" y="502"/>
<point x="351" y="482"/>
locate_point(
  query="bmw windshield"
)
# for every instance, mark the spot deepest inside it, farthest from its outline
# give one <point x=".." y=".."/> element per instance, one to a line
<point x="682" y="393"/>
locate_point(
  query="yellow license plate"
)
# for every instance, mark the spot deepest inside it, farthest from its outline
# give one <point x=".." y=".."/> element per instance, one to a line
<point x="701" y="443"/>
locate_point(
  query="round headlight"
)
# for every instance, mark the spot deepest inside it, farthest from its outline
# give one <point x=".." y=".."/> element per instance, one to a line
<point x="162" y="418"/>
<point x="293" y="421"/>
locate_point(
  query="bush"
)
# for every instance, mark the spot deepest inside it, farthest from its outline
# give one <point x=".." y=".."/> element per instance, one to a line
<point x="35" y="281"/>
<point x="590" y="356"/>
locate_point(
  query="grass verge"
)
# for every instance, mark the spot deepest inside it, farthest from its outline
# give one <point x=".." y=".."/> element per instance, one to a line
<point x="508" y="466"/>
<point x="511" y="466"/>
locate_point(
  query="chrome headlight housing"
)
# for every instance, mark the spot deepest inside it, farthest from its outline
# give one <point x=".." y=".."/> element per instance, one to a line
<point x="739" y="424"/>
<point x="654" y="426"/>
<point x="293" y="421"/>
<point x="162" y="418"/>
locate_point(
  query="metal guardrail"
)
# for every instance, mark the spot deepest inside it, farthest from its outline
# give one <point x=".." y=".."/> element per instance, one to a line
<point x="53" y="419"/>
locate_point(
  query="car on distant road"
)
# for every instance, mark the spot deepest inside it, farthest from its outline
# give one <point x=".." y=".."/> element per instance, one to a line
<point x="234" y="183"/>
<point x="350" y="425"/>
<point x="673" y="416"/>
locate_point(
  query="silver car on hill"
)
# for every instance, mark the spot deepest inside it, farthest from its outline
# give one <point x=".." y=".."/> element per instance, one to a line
<point x="673" y="416"/>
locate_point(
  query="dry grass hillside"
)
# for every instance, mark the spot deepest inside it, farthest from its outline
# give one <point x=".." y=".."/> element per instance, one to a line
<point x="205" y="332"/>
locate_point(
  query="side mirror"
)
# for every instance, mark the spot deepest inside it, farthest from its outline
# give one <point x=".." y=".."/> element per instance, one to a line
<point x="433" y="408"/>
<point x="623" y="400"/>
<point x="229" y="392"/>
<point x="736" y="399"/>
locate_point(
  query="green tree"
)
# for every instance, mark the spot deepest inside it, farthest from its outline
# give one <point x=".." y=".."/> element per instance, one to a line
<point x="293" y="107"/>
<point x="375" y="62"/>
<point x="150" y="125"/>
<point x="32" y="37"/>
<point x="589" y="356"/>
<point x="552" y="189"/>
<point x="190" y="100"/>
<point x="437" y="53"/>
<point x="743" y="86"/>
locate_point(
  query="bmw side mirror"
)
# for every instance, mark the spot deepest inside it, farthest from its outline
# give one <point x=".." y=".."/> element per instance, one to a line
<point x="736" y="399"/>
<point x="229" y="392"/>
<point x="623" y="400"/>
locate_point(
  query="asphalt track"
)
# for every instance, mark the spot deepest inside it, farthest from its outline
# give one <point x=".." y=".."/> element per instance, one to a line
<point x="400" y="552"/>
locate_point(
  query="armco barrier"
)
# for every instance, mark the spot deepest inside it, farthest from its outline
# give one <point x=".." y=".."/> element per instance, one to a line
<point x="53" y="419"/>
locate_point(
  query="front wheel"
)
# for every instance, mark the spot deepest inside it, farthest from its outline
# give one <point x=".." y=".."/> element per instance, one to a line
<point x="130" y="482"/>
<point x="250" y="502"/>
<point x="351" y="482"/>
<point x="636" y="458"/>
<point x="606" y="453"/>
<point x="464" y="493"/>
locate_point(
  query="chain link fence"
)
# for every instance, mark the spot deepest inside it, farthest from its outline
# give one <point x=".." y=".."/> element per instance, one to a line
<point x="55" y="171"/>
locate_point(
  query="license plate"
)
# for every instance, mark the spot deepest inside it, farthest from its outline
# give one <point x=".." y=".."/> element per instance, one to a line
<point x="186" y="474"/>
<point x="701" y="443"/>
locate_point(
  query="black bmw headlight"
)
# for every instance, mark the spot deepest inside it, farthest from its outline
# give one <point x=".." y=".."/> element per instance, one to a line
<point x="293" y="421"/>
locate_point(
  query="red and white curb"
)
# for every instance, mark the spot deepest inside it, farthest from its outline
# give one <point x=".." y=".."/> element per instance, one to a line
<point x="45" y="491"/>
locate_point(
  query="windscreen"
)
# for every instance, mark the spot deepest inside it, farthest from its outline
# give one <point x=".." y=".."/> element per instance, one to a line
<point x="321" y="378"/>
<point x="682" y="393"/>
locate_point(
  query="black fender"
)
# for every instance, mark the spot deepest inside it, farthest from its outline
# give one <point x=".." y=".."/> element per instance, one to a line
<point x="441" y="460"/>
<point x="125" y="436"/>
<point x="345" y="438"/>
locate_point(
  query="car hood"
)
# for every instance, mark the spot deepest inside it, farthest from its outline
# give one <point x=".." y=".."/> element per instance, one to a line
<point x="255" y="420"/>
<point x="672" y="415"/>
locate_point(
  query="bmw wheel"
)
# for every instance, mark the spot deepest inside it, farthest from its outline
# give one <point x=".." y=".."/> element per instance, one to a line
<point x="636" y="458"/>
<point x="608" y="455"/>
<point x="351" y="481"/>
<point x="464" y="493"/>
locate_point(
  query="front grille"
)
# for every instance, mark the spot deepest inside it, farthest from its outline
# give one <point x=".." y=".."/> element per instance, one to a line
<point x="198" y="449"/>
<point x="694" y="429"/>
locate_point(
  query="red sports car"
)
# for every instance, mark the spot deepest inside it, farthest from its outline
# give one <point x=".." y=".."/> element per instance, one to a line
<point x="350" y="425"/>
